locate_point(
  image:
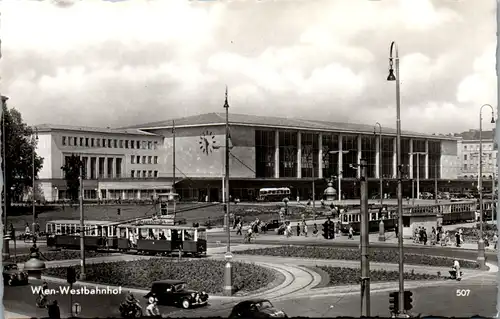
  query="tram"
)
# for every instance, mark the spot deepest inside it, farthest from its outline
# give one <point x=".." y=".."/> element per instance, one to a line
<point x="66" y="234"/>
<point x="162" y="239"/>
<point x="458" y="212"/>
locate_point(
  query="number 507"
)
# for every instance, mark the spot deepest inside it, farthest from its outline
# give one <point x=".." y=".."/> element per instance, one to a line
<point x="463" y="292"/>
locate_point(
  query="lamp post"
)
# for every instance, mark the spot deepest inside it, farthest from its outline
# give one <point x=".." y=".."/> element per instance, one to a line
<point x="480" y="244"/>
<point x="381" y="181"/>
<point x="34" y="140"/>
<point x="228" y="283"/>
<point x="395" y="77"/>
<point x="418" y="171"/>
<point x="5" y="252"/>
<point x="339" y="171"/>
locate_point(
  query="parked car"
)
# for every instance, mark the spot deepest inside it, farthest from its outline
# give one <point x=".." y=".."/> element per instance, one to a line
<point x="174" y="293"/>
<point x="426" y="195"/>
<point x="13" y="276"/>
<point x="256" y="308"/>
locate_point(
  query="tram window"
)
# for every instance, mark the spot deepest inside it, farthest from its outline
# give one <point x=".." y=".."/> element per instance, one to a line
<point x="202" y="234"/>
<point x="345" y="218"/>
<point x="188" y="234"/>
<point x="374" y="216"/>
<point x="105" y="232"/>
<point x="93" y="231"/>
<point x="87" y="230"/>
<point x="58" y="229"/>
<point x="77" y="231"/>
<point x="123" y="232"/>
<point x="99" y="231"/>
<point x="49" y="228"/>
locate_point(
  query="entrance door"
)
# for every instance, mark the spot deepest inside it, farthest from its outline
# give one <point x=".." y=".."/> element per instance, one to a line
<point x="214" y="194"/>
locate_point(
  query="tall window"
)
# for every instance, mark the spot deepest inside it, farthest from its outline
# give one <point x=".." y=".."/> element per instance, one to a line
<point x="288" y="154"/>
<point x="330" y="161"/>
<point x="64" y="140"/>
<point x="264" y="153"/>
<point x="465" y="157"/>
<point x="349" y="143"/>
<point x="387" y="148"/>
<point x="434" y="159"/>
<point x="369" y="153"/>
<point x="309" y="153"/>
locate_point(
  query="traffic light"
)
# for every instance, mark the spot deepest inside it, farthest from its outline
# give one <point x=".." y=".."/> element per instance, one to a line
<point x="394" y="302"/>
<point x="71" y="275"/>
<point x="325" y="231"/>
<point x="408" y="300"/>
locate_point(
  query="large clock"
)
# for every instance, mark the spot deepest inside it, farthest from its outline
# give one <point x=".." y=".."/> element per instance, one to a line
<point x="207" y="142"/>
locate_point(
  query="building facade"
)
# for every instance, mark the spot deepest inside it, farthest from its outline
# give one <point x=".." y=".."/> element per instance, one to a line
<point x="119" y="163"/>
<point x="469" y="154"/>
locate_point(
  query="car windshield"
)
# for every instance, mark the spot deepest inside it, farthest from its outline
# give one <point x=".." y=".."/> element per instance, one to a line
<point x="264" y="305"/>
<point x="179" y="287"/>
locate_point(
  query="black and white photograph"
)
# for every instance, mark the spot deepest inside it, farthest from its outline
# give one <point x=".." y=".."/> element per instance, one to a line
<point x="249" y="158"/>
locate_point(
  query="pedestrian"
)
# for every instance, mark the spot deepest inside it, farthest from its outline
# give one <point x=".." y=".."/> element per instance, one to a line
<point x="396" y="230"/>
<point x="460" y="233"/>
<point x="425" y="236"/>
<point x="495" y="240"/>
<point x="298" y="229"/>
<point x="457" y="239"/>
<point x="288" y="229"/>
<point x="305" y="229"/>
<point x="456" y="267"/>
<point x="298" y="199"/>
<point x="315" y="230"/>
<point x="351" y="232"/>
<point x="54" y="311"/>
<point x="239" y="227"/>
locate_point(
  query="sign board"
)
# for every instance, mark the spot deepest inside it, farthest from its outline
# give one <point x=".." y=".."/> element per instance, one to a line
<point x="76" y="308"/>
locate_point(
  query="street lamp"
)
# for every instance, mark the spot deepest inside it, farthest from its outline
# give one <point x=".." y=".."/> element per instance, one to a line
<point x="34" y="141"/>
<point x="5" y="252"/>
<point x="418" y="171"/>
<point x="480" y="244"/>
<point x="395" y="77"/>
<point x="339" y="172"/>
<point x="228" y="284"/>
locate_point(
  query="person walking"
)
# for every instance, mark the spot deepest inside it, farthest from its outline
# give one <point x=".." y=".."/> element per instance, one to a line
<point x="315" y="230"/>
<point x="239" y="228"/>
<point x="425" y="236"/>
<point x="298" y="229"/>
<point x="305" y="229"/>
<point x="495" y="240"/>
<point x="396" y="230"/>
<point x="351" y="232"/>
<point x="457" y="238"/>
<point x="456" y="267"/>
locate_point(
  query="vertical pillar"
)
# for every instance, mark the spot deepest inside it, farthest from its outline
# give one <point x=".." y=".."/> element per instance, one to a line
<point x="410" y="169"/>
<point x="378" y="173"/>
<point x="124" y="194"/>
<point x="440" y="172"/>
<point x="340" y="157"/>
<point x="299" y="155"/>
<point x="320" y="155"/>
<point x="394" y="159"/>
<point x="426" y="159"/>
<point x="358" y="174"/>
<point x="97" y="167"/>
<point x="277" y="154"/>
<point x="88" y="173"/>
<point x="105" y="162"/>
<point x="138" y="194"/>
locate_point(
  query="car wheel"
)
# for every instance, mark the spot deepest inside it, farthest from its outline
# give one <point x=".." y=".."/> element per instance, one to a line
<point x="186" y="304"/>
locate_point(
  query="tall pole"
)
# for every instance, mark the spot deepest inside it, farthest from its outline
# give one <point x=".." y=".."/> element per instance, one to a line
<point x="82" y="226"/>
<point x="497" y="131"/>
<point x="35" y="138"/>
<point x="364" y="242"/>
<point x="313" y="186"/>
<point x="173" y="163"/>
<point x="228" y="284"/>
<point x="5" y="250"/>
<point x="418" y="175"/>
<point x="435" y="185"/>
<point x="396" y="78"/>
<point x="4" y="158"/>
<point x="380" y="175"/>
<point x="223" y="179"/>
<point x="493" y="197"/>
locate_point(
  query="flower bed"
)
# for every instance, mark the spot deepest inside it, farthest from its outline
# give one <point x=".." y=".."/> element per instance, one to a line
<point x="204" y="275"/>
<point x="344" y="276"/>
<point x="376" y="255"/>
<point x="56" y="255"/>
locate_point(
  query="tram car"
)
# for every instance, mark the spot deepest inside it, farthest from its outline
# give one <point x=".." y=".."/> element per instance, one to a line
<point x="65" y="234"/>
<point x="488" y="205"/>
<point x="460" y="212"/>
<point x="162" y="239"/>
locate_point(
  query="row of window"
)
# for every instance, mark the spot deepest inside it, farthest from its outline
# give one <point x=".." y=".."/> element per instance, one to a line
<point x="143" y="174"/>
<point x="490" y="156"/>
<point x="108" y="143"/>
<point x="136" y="159"/>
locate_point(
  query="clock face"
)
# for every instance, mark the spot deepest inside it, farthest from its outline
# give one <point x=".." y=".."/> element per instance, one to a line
<point x="207" y="142"/>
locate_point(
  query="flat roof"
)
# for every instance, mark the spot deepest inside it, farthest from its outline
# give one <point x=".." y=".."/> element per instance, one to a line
<point x="86" y="222"/>
<point x="105" y="130"/>
<point x="218" y="119"/>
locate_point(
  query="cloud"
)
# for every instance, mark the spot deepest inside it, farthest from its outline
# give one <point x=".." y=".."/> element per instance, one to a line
<point x="114" y="63"/>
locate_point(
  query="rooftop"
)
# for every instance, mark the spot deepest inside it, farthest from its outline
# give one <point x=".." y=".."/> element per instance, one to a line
<point x="473" y="135"/>
<point x="126" y="131"/>
<point x="277" y="122"/>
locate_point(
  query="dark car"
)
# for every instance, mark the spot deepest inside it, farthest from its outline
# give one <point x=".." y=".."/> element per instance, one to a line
<point x="256" y="308"/>
<point x="174" y="293"/>
<point x="12" y="275"/>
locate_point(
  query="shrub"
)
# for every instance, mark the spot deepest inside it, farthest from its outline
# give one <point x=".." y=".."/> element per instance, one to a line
<point x="376" y="255"/>
<point x="344" y="276"/>
<point x="204" y="275"/>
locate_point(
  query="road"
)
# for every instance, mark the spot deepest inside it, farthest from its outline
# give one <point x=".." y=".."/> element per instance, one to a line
<point x="452" y="252"/>
<point x="437" y="301"/>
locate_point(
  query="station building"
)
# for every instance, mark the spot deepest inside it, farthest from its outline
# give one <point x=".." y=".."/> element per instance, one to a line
<point x="283" y="152"/>
<point x="135" y="162"/>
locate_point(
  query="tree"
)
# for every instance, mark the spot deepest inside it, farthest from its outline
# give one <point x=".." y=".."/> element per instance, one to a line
<point x="71" y="171"/>
<point x="20" y="146"/>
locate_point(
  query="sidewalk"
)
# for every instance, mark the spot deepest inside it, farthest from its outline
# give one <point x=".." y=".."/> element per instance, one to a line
<point x="13" y="315"/>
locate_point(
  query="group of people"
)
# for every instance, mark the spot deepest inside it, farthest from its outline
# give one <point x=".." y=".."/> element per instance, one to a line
<point x="151" y="310"/>
<point x="437" y="236"/>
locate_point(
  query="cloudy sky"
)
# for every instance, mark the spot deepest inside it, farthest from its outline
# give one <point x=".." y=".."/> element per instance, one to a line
<point x="115" y="63"/>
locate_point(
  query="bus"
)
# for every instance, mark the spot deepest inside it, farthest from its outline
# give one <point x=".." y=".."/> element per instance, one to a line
<point x="273" y="194"/>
